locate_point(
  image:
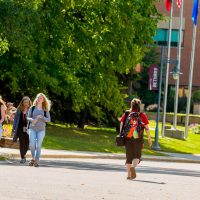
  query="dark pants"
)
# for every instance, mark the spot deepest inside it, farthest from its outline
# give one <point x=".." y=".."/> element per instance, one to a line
<point x="24" y="143"/>
<point x="133" y="149"/>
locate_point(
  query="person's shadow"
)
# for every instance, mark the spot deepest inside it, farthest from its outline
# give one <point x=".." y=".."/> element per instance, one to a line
<point x="95" y="166"/>
<point x="144" y="181"/>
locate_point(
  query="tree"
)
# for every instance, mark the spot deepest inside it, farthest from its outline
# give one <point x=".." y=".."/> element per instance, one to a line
<point x="74" y="50"/>
<point x="152" y="57"/>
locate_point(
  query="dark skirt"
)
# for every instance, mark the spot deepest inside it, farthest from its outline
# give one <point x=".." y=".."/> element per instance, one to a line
<point x="133" y="149"/>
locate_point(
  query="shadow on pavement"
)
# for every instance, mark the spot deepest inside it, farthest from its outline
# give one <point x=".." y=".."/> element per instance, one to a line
<point x="171" y="171"/>
<point x="143" y="181"/>
<point x="76" y="165"/>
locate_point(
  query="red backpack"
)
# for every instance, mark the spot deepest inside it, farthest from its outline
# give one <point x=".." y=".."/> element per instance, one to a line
<point x="133" y="126"/>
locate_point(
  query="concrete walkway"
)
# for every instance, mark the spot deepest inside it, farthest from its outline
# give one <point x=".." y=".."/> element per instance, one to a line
<point x="46" y="153"/>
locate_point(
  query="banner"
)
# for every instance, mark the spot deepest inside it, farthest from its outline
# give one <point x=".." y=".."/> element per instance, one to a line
<point x="153" y="77"/>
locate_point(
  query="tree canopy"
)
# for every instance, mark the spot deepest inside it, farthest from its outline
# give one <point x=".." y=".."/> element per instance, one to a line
<point x="73" y="50"/>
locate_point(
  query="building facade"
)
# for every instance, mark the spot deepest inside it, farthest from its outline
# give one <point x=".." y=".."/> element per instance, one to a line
<point x="162" y="38"/>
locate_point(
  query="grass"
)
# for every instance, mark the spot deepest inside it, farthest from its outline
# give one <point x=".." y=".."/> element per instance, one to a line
<point x="189" y="145"/>
<point x="89" y="139"/>
<point x="103" y="140"/>
<point x="2" y="158"/>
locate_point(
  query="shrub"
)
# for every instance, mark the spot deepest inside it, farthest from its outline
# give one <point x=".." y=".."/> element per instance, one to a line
<point x="153" y="108"/>
<point x="195" y="128"/>
<point x="196" y="96"/>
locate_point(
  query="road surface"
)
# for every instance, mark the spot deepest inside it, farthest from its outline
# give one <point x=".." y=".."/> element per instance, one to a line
<point x="98" y="179"/>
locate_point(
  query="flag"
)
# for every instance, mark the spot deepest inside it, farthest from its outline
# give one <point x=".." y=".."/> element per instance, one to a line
<point x="168" y="4"/>
<point x="179" y="3"/>
<point x="195" y="11"/>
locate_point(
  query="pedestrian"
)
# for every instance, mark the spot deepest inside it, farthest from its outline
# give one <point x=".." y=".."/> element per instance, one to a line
<point x="133" y="129"/>
<point x="19" y="129"/>
<point x="38" y="116"/>
<point x="2" y="115"/>
<point x="10" y="113"/>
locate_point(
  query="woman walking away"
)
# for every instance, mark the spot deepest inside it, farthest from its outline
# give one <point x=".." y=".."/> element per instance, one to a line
<point x="134" y="124"/>
<point x="38" y="116"/>
<point x="19" y="129"/>
<point x="2" y="115"/>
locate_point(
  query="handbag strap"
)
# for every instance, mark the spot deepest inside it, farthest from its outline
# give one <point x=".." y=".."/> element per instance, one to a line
<point x="126" y="115"/>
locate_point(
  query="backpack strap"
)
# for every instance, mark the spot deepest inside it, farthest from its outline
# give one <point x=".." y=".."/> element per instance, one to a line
<point x="28" y="123"/>
<point x="125" y="117"/>
<point x="139" y="118"/>
<point x="140" y="128"/>
<point x="33" y="107"/>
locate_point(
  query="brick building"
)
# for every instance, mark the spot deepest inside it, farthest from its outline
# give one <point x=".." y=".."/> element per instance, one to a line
<point x="162" y="37"/>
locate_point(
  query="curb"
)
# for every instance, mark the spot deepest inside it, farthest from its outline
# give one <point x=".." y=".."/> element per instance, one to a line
<point x="84" y="156"/>
<point x="171" y="159"/>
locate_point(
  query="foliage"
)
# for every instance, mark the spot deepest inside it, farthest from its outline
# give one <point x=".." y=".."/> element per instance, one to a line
<point x="182" y="104"/>
<point x="152" y="108"/>
<point x="195" y="128"/>
<point x="196" y="96"/>
<point x="72" y="50"/>
<point x="151" y="57"/>
<point x="3" y="45"/>
<point x="170" y="99"/>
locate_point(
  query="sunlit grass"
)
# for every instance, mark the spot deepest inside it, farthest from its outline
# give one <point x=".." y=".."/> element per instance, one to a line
<point x="189" y="145"/>
<point x="103" y="140"/>
<point x="89" y="139"/>
<point x="2" y="158"/>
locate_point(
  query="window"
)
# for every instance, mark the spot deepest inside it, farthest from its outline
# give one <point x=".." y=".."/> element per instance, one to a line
<point x="161" y="37"/>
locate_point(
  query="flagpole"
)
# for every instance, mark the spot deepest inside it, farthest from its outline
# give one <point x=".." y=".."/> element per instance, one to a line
<point x="167" y="70"/>
<point x="178" y="66"/>
<point x="190" y="81"/>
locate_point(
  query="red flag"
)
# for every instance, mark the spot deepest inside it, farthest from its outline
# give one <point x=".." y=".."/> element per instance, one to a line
<point x="179" y="3"/>
<point x="168" y="4"/>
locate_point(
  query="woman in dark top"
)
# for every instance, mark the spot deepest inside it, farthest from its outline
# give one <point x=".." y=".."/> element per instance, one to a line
<point x="20" y="127"/>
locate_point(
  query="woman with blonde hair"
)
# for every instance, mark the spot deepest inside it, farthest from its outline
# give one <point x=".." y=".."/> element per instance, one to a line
<point x="19" y="129"/>
<point x="2" y="115"/>
<point x="133" y="123"/>
<point x="38" y="116"/>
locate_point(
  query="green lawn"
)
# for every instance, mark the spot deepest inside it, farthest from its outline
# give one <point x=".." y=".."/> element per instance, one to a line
<point x="90" y="139"/>
<point x="103" y="140"/>
<point x="191" y="145"/>
<point x="2" y="158"/>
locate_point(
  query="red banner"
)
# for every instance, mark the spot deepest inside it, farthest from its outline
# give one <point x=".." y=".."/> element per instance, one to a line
<point x="153" y="77"/>
<point x="168" y="4"/>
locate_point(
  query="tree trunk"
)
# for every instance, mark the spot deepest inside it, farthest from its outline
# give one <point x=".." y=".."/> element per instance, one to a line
<point x="130" y="83"/>
<point x="130" y="87"/>
<point x="83" y="116"/>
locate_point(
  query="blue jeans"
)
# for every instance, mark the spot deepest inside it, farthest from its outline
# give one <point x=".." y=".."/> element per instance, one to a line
<point x="1" y="131"/>
<point x="35" y="142"/>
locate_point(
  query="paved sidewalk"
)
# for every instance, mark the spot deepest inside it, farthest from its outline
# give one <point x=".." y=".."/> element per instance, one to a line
<point x="46" y="153"/>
